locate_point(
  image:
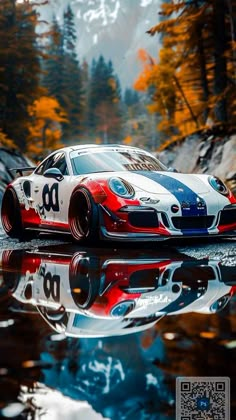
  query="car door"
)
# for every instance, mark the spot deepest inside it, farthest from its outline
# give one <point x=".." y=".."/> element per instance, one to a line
<point x="48" y="192"/>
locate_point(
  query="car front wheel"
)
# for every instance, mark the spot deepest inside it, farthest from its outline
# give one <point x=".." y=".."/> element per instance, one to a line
<point x="83" y="216"/>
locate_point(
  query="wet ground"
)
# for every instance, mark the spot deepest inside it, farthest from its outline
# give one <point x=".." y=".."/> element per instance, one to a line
<point x="91" y="333"/>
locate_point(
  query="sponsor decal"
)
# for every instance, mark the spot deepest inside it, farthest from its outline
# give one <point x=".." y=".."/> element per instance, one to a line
<point x="149" y="200"/>
<point x="50" y="199"/>
<point x="51" y="286"/>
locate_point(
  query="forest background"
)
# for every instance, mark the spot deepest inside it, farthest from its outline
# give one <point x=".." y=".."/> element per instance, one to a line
<point x="50" y="97"/>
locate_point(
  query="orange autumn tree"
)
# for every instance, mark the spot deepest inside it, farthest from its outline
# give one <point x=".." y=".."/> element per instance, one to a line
<point x="191" y="82"/>
<point x="174" y="97"/>
<point x="45" y="126"/>
<point x="164" y="97"/>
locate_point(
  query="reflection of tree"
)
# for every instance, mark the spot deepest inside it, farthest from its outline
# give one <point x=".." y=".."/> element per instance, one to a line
<point x="19" y="350"/>
<point x="195" y="336"/>
<point x="197" y="345"/>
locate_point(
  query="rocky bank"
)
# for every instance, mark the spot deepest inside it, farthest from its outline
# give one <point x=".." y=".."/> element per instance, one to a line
<point x="10" y="158"/>
<point x="209" y="153"/>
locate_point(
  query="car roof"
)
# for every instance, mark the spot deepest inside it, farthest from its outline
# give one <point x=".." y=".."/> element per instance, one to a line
<point x="99" y="146"/>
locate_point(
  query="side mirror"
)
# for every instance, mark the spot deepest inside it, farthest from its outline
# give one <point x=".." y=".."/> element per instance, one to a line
<point x="170" y="169"/>
<point x="53" y="173"/>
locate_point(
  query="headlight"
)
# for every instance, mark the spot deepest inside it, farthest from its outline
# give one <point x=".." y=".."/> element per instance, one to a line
<point x="220" y="304"/>
<point x="121" y="188"/>
<point x="122" y="308"/>
<point x="218" y="185"/>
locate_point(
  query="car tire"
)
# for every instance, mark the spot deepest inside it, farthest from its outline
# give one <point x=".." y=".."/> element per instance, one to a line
<point x="84" y="281"/>
<point x="10" y="276"/>
<point x="11" y="217"/>
<point x="83" y="216"/>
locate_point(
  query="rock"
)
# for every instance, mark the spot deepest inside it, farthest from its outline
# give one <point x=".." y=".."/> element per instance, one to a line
<point x="186" y="155"/>
<point x="167" y="157"/>
<point x="205" y="149"/>
<point x="201" y="154"/>
<point x="217" y="154"/>
<point x="10" y="159"/>
<point x="231" y="176"/>
<point x="228" y="159"/>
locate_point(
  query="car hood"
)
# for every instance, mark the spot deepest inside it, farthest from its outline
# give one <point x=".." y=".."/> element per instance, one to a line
<point x="165" y="182"/>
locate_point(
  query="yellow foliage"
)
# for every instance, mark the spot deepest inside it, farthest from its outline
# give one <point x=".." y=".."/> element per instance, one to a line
<point x="144" y="79"/>
<point x="5" y="141"/>
<point x="112" y="83"/>
<point x="53" y="141"/>
<point x="141" y="84"/>
<point x="45" y="127"/>
<point x="47" y="108"/>
<point x="135" y="125"/>
<point x="145" y="57"/>
<point x="127" y="140"/>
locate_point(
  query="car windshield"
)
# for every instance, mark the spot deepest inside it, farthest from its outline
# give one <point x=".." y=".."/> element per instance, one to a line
<point x="110" y="161"/>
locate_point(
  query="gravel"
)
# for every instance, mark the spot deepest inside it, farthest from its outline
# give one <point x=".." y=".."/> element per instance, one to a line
<point x="220" y="250"/>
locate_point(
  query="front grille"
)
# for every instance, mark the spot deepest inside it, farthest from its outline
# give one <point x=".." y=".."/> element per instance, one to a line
<point x="228" y="217"/>
<point x="189" y="271"/>
<point x="145" y="219"/>
<point x="188" y="222"/>
<point x="142" y="281"/>
<point x="165" y="220"/>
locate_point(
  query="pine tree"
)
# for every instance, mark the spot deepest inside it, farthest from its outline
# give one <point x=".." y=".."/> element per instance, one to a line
<point x="85" y="92"/>
<point x="63" y="78"/>
<point x="104" y="98"/>
<point x="72" y="84"/>
<point x="53" y="63"/>
<point x="130" y="97"/>
<point x="19" y="69"/>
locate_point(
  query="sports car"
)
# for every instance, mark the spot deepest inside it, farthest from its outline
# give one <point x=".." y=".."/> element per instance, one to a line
<point x="115" y="192"/>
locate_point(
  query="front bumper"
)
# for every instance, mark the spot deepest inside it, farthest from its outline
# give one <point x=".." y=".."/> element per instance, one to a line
<point x="147" y="237"/>
<point x="130" y="236"/>
<point x="118" y="225"/>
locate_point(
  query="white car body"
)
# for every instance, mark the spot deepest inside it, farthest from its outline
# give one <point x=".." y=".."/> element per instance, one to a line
<point x="161" y="204"/>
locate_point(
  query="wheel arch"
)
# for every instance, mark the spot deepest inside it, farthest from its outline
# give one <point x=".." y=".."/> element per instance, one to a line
<point x="82" y="203"/>
<point x="94" y="188"/>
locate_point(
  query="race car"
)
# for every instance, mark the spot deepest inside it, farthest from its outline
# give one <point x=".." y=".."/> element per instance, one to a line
<point x="115" y="192"/>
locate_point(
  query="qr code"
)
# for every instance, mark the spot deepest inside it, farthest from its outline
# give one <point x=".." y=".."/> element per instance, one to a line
<point x="202" y="398"/>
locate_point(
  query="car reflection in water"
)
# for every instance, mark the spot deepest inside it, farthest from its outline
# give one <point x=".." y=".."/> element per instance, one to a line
<point x="87" y="294"/>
